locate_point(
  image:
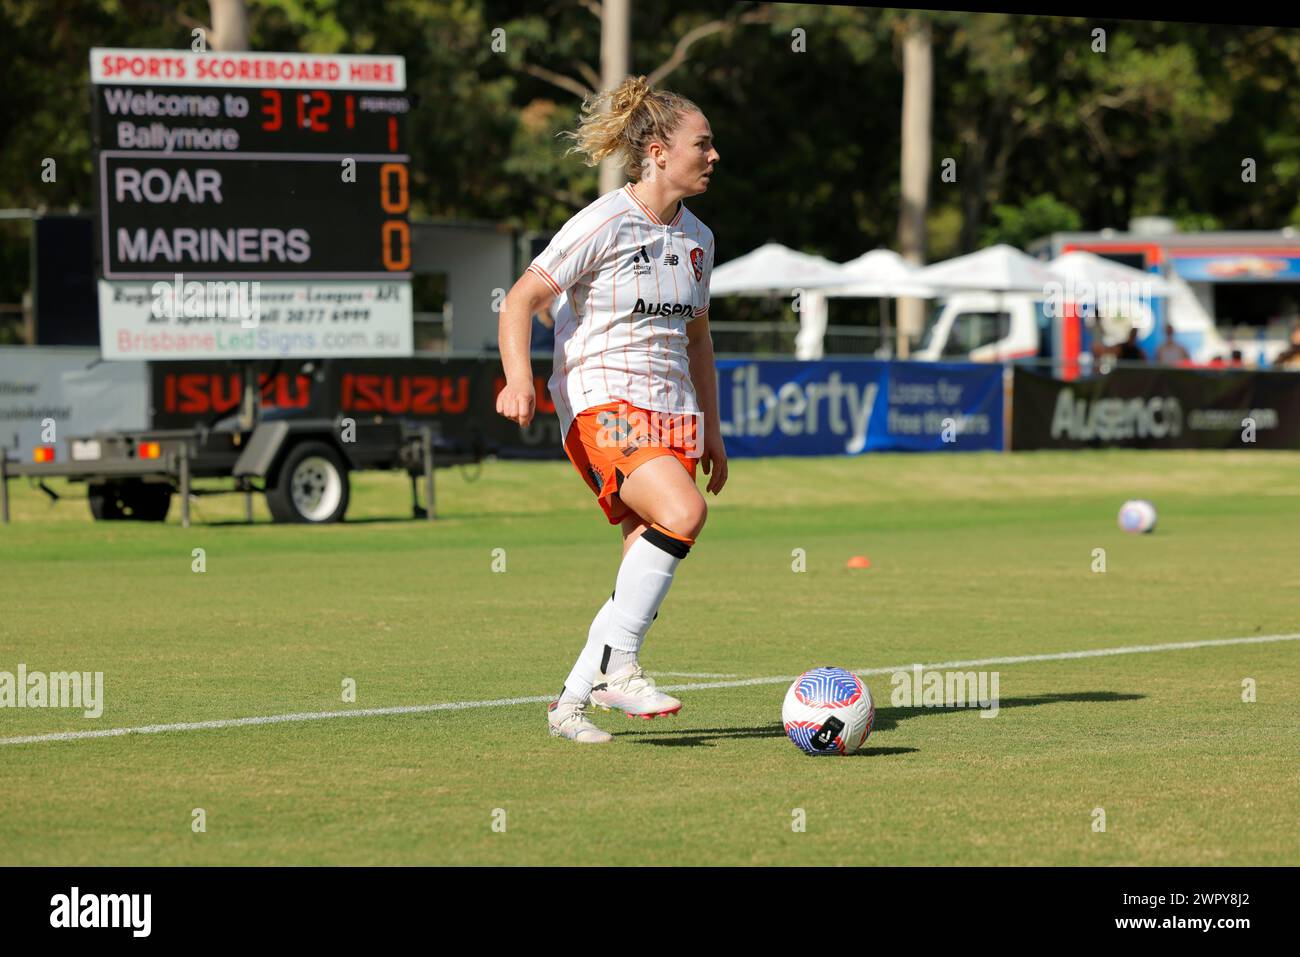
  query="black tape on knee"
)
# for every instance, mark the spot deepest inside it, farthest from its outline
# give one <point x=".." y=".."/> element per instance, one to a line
<point x="673" y="546"/>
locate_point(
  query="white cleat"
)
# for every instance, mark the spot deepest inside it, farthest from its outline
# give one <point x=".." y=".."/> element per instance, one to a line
<point x="634" y="692"/>
<point x="568" y="719"/>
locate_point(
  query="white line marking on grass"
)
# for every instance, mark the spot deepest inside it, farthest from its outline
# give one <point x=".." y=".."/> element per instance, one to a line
<point x="699" y="686"/>
<point x="687" y="674"/>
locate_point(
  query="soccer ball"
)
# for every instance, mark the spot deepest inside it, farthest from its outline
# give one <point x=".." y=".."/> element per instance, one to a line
<point x="1137" y="515"/>
<point x="828" y="711"/>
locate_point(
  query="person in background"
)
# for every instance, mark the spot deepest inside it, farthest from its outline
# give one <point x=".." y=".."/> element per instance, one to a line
<point x="1170" y="352"/>
<point x="1290" y="357"/>
<point x="543" y="337"/>
<point x="1102" y="358"/>
<point x="1130" y="351"/>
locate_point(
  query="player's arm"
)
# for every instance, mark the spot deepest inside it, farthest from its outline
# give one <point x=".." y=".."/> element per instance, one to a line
<point x="704" y="372"/>
<point x="527" y="297"/>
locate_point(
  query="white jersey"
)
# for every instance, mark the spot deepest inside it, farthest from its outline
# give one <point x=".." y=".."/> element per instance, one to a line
<point x="632" y="284"/>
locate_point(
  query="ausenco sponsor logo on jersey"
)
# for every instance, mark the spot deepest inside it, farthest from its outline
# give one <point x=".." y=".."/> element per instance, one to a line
<point x="663" y="308"/>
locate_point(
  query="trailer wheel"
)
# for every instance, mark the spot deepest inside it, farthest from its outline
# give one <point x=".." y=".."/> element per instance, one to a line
<point x="147" y="501"/>
<point x="105" y="502"/>
<point x="129" y="501"/>
<point x="311" y="485"/>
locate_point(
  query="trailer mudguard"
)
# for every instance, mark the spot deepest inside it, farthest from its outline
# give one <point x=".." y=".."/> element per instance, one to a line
<point x="263" y="446"/>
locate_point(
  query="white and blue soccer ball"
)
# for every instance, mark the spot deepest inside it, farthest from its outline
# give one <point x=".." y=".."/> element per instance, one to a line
<point x="828" y="711"/>
<point x="1137" y="516"/>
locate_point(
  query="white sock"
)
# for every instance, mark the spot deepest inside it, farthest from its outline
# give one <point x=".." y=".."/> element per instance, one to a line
<point x="619" y="628"/>
<point x="644" y="578"/>
<point x="577" y="687"/>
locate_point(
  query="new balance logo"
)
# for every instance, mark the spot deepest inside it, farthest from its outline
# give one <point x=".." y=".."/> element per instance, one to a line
<point x="672" y="259"/>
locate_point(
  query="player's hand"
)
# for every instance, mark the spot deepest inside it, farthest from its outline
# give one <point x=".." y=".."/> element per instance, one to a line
<point x="517" y="402"/>
<point x="714" y="461"/>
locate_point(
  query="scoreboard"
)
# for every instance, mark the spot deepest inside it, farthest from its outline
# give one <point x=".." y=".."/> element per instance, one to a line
<point x="287" y="170"/>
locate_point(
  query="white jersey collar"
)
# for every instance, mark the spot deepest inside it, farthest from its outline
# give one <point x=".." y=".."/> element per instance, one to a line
<point x="649" y="213"/>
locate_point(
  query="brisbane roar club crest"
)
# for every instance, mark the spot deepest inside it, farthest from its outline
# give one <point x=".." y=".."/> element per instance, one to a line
<point x="697" y="262"/>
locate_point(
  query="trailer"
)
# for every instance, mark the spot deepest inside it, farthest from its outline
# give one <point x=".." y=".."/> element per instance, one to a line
<point x="301" y="465"/>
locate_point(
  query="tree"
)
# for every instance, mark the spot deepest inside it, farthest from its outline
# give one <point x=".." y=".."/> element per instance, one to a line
<point x="615" y="21"/>
<point x="914" y="166"/>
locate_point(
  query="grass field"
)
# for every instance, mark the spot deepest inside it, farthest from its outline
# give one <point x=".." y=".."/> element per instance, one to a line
<point x="973" y="557"/>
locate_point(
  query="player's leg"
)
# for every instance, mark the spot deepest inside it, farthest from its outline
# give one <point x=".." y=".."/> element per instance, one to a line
<point x="667" y="513"/>
<point x="633" y="526"/>
<point x="634" y="692"/>
<point x="662" y="492"/>
<point x="568" y="715"/>
<point x="595" y="655"/>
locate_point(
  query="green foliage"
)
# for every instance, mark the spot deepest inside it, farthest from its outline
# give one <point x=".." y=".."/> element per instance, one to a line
<point x="1020" y="225"/>
<point x="1043" y="129"/>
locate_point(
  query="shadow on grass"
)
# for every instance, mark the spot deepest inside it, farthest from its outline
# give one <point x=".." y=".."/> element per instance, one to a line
<point x="376" y="519"/>
<point x="697" y="737"/>
<point x="368" y="520"/>
<point x="886" y="720"/>
<point x="693" y="737"/>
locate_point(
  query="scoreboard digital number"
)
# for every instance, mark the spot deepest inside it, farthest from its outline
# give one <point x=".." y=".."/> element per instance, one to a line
<point x="251" y="165"/>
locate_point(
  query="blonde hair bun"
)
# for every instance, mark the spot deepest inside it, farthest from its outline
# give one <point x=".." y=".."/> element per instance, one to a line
<point x="624" y="121"/>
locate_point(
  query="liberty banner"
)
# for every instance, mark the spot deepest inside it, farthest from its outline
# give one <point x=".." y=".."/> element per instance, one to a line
<point x="839" y="407"/>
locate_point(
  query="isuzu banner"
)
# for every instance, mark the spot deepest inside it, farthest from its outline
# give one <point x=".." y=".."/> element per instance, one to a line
<point x="1157" y="408"/>
<point x="455" y="396"/>
<point x="846" y="407"/>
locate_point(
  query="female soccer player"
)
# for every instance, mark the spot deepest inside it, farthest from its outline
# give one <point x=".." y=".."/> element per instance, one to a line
<point x="634" y="375"/>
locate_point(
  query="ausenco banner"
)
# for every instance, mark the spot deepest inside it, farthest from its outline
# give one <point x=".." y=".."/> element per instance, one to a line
<point x="1157" y="408"/>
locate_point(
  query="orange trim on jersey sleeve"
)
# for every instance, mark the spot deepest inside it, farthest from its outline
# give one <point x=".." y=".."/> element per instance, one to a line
<point x="542" y="274"/>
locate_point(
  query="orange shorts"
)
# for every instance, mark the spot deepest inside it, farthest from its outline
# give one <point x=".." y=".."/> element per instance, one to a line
<point x="607" y="442"/>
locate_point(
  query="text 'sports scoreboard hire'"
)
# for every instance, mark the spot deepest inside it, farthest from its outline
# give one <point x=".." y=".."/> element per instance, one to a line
<point x="251" y="205"/>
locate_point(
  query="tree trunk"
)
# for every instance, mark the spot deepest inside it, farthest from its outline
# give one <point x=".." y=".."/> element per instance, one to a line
<point x="918" y="84"/>
<point x="615" y="41"/>
<point x="229" y="25"/>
